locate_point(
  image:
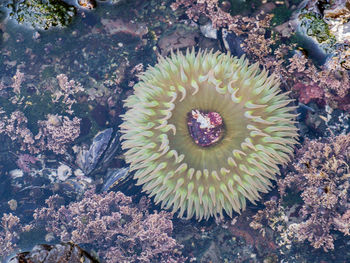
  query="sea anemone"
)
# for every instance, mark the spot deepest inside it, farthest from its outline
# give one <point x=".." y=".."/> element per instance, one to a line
<point x="206" y="131"/>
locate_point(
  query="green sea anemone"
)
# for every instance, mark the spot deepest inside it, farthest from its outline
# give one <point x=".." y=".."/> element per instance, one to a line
<point x="206" y="131"/>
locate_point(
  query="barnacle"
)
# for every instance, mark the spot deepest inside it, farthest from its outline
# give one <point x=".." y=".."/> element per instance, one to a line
<point x="206" y="131"/>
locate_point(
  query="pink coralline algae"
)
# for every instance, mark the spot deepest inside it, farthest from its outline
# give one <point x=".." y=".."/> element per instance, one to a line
<point x="209" y="8"/>
<point x="54" y="133"/>
<point x="25" y="161"/>
<point x="17" y="81"/>
<point x="15" y="127"/>
<point x="68" y="88"/>
<point x="57" y="131"/>
<point x="321" y="173"/>
<point x="10" y="229"/>
<point x="120" y="230"/>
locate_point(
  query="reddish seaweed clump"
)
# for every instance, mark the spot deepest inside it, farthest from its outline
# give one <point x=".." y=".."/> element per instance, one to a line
<point x="309" y="93"/>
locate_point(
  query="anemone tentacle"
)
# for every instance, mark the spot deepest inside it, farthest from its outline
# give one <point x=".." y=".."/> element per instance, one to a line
<point x="198" y="177"/>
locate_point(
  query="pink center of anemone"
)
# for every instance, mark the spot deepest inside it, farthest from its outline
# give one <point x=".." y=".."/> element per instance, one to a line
<point x="205" y="128"/>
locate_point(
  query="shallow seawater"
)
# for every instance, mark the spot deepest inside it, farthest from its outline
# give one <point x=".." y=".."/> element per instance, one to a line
<point x="63" y="175"/>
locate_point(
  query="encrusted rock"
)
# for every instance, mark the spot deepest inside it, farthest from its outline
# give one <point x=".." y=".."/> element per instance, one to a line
<point x="60" y="253"/>
<point x="182" y="37"/>
<point x="127" y="27"/>
<point x="42" y="14"/>
<point x="339" y="9"/>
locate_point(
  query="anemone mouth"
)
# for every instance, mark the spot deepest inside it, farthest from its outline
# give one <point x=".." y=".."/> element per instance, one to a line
<point x="206" y="128"/>
<point x="206" y="131"/>
<point x="208" y="99"/>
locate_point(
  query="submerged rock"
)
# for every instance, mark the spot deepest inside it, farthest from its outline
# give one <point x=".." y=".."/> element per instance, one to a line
<point x="100" y="115"/>
<point x="118" y="26"/>
<point x="179" y="37"/>
<point x="42" y="14"/>
<point x="60" y="253"/>
<point x="231" y="42"/>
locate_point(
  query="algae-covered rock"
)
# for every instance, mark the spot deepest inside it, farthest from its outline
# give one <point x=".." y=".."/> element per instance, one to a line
<point x="317" y="28"/>
<point x="42" y="14"/>
<point x="337" y="15"/>
<point x="64" y="252"/>
<point x="328" y="22"/>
